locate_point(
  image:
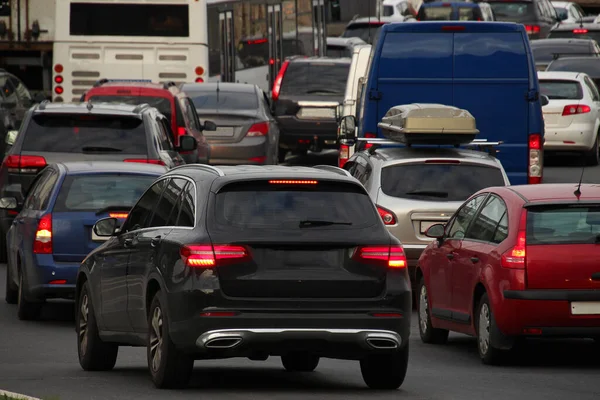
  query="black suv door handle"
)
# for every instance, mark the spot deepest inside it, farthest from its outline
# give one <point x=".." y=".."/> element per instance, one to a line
<point x="474" y="260"/>
<point x="450" y="256"/>
<point x="128" y="242"/>
<point x="156" y="241"/>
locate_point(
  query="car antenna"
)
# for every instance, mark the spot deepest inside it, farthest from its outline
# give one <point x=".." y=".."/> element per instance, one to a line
<point x="577" y="191"/>
<point x="218" y="90"/>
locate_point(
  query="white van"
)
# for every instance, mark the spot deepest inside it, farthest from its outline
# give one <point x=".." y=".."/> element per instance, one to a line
<point x="358" y="71"/>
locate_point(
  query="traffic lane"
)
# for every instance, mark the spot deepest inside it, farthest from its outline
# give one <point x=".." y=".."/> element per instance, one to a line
<point x="40" y="359"/>
<point x="567" y="168"/>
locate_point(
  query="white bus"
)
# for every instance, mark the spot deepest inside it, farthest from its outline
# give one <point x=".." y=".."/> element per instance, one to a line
<point x="158" y="40"/>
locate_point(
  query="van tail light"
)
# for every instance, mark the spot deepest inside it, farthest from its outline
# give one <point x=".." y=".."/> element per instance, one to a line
<point x="369" y="135"/>
<point x="145" y="161"/>
<point x="260" y="129"/>
<point x="535" y="159"/>
<point x="278" y="80"/>
<point x="515" y="257"/>
<point x="209" y="256"/>
<point x="344" y="155"/>
<point x="575" y="109"/>
<point x="532" y="29"/>
<point x="386" y="215"/>
<point x="43" y="236"/>
<point x="24" y="164"/>
<point x="389" y="256"/>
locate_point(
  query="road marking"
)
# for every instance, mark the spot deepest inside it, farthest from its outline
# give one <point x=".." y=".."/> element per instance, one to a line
<point x="17" y="395"/>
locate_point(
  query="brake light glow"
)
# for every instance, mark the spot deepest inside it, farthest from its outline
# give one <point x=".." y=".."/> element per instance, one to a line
<point x="535" y="159"/>
<point x="369" y="135"/>
<point x="145" y="161"/>
<point x="118" y="215"/>
<point x="181" y="131"/>
<point x="532" y="29"/>
<point x="199" y="80"/>
<point x="208" y="256"/>
<point x="58" y="282"/>
<point x="390" y="256"/>
<point x="575" y="109"/>
<point x="292" y="182"/>
<point x="43" y="236"/>
<point x="260" y="129"/>
<point x="278" y="80"/>
<point x="344" y="155"/>
<point x="24" y="164"/>
<point x="515" y="257"/>
<point x="580" y="31"/>
<point x="386" y="215"/>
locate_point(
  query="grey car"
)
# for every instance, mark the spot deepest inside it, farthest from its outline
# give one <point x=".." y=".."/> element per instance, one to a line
<point x="415" y="188"/>
<point x="247" y="132"/>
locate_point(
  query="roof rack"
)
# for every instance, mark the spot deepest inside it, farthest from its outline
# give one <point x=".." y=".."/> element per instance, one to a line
<point x="102" y="81"/>
<point x="479" y="144"/>
<point x="334" y="169"/>
<point x="43" y="105"/>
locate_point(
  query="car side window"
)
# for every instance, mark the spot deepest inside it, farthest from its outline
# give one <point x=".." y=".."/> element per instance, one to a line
<point x="267" y="103"/>
<point x="187" y="215"/>
<point x="592" y="87"/>
<point x="139" y="217"/>
<point x="8" y="89"/>
<point x="163" y="134"/>
<point x="177" y="209"/>
<point x="40" y="197"/>
<point x="359" y="169"/>
<point x="464" y="216"/>
<point x="194" y="118"/>
<point x="485" y="226"/>
<point x="33" y="193"/>
<point x="21" y="91"/>
<point x="167" y="202"/>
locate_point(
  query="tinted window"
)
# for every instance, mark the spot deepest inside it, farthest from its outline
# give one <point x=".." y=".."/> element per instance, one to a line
<point x="315" y="78"/>
<point x="576" y="34"/>
<point x="258" y="205"/>
<point x="561" y="90"/>
<point x="102" y="19"/>
<point x="223" y="100"/>
<point x="338" y="51"/>
<point x="99" y="191"/>
<point x="435" y="13"/>
<point x="8" y="90"/>
<point x="31" y="196"/>
<point x="463" y="218"/>
<point x="514" y="11"/>
<point x="438" y="182"/>
<point x="188" y="210"/>
<point x="589" y="66"/>
<point x="388" y="11"/>
<point x="562" y="12"/>
<point x="367" y="32"/>
<point x="39" y="197"/>
<point x="85" y="134"/>
<point x="416" y="55"/>
<point x="490" y="55"/>
<point x="563" y="225"/>
<point x="140" y="215"/>
<point x="162" y="104"/>
<point x="485" y="226"/>
<point x="548" y="53"/>
<point x="168" y="203"/>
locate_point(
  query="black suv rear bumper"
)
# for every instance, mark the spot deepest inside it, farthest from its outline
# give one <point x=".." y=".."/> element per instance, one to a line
<point x="300" y="134"/>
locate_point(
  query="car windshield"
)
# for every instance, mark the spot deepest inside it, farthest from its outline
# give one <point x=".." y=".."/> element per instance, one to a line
<point x="513" y="11"/>
<point x="223" y="100"/>
<point x="563" y="225"/>
<point x="73" y="133"/>
<point x="100" y="191"/>
<point x="163" y="105"/>
<point x="434" y="181"/>
<point x="561" y="89"/>
<point x="547" y="53"/>
<point x="319" y="78"/>
<point x="367" y="32"/>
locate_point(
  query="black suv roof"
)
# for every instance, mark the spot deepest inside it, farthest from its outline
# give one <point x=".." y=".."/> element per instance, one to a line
<point x="93" y="109"/>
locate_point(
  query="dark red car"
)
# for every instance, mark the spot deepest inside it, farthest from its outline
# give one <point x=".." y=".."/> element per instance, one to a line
<point x="514" y="262"/>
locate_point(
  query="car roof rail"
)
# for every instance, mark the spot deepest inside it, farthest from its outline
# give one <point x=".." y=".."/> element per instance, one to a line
<point x="478" y="144"/>
<point x="334" y="169"/>
<point x="43" y="105"/>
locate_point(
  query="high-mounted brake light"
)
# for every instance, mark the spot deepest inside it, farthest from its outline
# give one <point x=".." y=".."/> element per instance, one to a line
<point x="260" y="129"/>
<point x="390" y="256"/>
<point x="535" y="159"/>
<point x="278" y="80"/>
<point x="118" y="215"/>
<point x="386" y="215"/>
<point x="515" y="257"/>
<point x="24" y="164"/>
<point x="145" y="161"/>
<point x="575" y="109"/>
<point x="580" y="31"/>
<point x="369" y="135"/>
<point x="43" y="236"/>
<point x="208" y="256"/>
<point x="292" y="182"/>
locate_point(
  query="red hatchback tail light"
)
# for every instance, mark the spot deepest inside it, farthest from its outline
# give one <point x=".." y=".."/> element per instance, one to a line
<point x="24" y="164"/>
<point x="515" y="257"/>
<point x="43" y="236"/>
<point x="209" y="256"/>
<point x="260" y="129"/>
<point x="389" y="256"/>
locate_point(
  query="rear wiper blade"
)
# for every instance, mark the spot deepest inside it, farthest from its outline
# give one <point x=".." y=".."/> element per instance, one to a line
<point x="323" y="91"/>
<point x="113" y="208"/>
<point x="311" y="222"/>
<point x="101" y="148"/>
<point x="431" y="193"/>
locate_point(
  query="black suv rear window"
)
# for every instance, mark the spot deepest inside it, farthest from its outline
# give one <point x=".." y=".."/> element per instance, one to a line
<point x="438" y="182"/>
<point x="100" y="191"/>
<point x="561" y="90"/>
<point x="162" y="104"/>
<point x="514" y="11"/>
<point x="563" y="225"/>
<point x="319" y="78"/>
<point x="260" y="205"/>
<point x="85" y="133"/>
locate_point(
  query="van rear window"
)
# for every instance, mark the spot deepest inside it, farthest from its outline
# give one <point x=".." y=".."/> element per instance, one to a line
<point x="574" y="224"/>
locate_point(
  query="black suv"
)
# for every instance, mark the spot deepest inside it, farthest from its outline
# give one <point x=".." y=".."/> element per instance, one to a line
<point x="306" y="95"/>
<point x="63" y="132"/>
<point x="538" y="16"/>
<point x="248" y="261"/>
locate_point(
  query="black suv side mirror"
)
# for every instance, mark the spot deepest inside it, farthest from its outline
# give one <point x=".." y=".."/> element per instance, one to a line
<point x="187" y="143"/>
<point x="209" y="126"/>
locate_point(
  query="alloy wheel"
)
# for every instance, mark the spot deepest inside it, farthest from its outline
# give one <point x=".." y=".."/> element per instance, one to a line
<point x="83" y="324"/>
<point x="156" y="339"/>
<point x="423" y="309"/>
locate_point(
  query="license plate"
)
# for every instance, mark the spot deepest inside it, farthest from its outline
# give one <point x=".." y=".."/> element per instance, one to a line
<point x="585" y="308"/>
<point x="224" y="131"/>
<point x="316" y="113"/>
<point x="96" y="238"/>
<point x="551" y="119"/>
<point x="425" y="225"/>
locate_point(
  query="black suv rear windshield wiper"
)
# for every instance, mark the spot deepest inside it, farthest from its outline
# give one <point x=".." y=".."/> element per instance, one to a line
<point x="431" y="193"/>
<point x="309" y="223"/>
<point x="101" y="149"/>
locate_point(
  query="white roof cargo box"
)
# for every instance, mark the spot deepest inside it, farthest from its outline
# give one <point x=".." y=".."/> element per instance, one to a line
<point x="429" y="124"/>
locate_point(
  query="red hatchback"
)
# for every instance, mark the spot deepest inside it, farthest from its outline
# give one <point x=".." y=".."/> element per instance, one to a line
<point x="514" y="262"/>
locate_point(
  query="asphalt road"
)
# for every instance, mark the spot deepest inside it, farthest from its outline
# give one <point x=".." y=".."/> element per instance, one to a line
<point x="40" y="359"/>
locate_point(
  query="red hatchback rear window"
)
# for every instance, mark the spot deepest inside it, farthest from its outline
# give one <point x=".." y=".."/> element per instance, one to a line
<point x="574" y="224"/>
